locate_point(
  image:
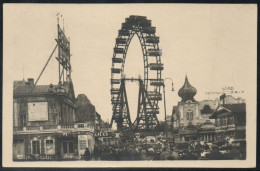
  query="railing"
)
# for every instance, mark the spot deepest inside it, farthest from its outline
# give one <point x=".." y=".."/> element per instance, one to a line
<point x="67" y="126"/>
<point x="76" y="126"/>
<point x="32" y="128"/>
<point x="18" y="128"/>
<point x="80" y="125"/>
<point x="49" y="127"/>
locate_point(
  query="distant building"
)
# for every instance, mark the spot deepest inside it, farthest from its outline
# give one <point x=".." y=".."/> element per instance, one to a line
<point x="199" y="120"/>
<point x="191" y="118"/>
<point x="106" y="136"/>
<point x="44" y="122"/>
<point x="229" y="99"/>
<point x="230" y="120"/>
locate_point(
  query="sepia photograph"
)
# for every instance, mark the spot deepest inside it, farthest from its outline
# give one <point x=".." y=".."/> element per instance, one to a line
<point x="129" y="85"/>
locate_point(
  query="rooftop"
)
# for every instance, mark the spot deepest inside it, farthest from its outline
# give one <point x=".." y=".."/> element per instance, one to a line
<point x="187" y="92"/>
<point x="29" y="88"/>
<point x="231" y="108"/>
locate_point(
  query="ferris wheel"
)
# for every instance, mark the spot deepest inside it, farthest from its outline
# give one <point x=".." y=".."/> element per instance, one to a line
<point x="149" y="85"/>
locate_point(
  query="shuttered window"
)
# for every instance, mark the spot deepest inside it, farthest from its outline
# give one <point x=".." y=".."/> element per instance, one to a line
<point x="82" y="144"/>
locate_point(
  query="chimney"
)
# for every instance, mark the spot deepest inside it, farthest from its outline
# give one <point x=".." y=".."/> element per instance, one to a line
<point x="222" y="97"/>
<point x="31" y="81"/>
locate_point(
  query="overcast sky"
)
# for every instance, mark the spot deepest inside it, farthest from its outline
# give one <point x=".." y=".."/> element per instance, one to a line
<point x="215" y="45"/>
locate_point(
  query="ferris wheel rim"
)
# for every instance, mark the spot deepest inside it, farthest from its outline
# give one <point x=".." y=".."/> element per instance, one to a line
<point x="143" y="37"/>
<point x="136" y="32"/>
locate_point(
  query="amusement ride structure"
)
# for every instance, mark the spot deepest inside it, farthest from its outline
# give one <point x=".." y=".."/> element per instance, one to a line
<point x="149" y="86"/>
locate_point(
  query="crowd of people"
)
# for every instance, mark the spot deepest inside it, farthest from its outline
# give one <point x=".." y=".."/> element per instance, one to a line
<point x="194" y="151"/>
<point x="202" y="151"/>
<point x="132" y="152"/>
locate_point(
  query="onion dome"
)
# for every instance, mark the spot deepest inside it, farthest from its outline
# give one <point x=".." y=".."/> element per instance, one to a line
<point x="187" y="92"/>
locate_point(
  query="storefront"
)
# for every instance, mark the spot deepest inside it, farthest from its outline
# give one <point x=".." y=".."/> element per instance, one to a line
<point x="60" y="145"/>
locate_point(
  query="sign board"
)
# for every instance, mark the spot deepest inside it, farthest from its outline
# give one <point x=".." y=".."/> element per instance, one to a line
<point x="83" y="143"/>
<point x="226" y="90"/>
<point x="37" y="111"/>
<point x="64" y="48"/>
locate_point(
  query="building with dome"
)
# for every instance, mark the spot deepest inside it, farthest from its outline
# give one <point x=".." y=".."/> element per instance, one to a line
<point x="191" y="117"/>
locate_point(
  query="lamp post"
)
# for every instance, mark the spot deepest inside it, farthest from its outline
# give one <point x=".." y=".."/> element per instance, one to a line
<point x="165" y="105"/>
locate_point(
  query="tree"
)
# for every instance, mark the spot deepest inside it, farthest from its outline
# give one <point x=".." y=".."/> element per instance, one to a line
<point x="85" y="111"/>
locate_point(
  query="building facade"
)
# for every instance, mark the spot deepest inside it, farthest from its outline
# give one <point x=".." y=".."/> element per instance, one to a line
<point x="191" y="117"/>
<point x="207" y="120"/>
<point x="230" y="120"/>
<point x="44" y="122"/>
<point x="107" y="137"/>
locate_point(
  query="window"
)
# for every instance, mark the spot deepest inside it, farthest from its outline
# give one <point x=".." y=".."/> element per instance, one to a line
<point x="61" y="113"/>
<point x="189" y="116"/>
<point x="223" y="121"/>
<point x="218" y="122"/>
<point x="70" y="147"/>
<point x="231" y="120"/>
<point x="50" y="147"/>
<point x="35" y="147"/>
<point x="18" y="147"/>
<point x="67" y="147"/>
<point x="22" y="120"/>
<point x="82" y="144"/>
<point x="89" y="143"/>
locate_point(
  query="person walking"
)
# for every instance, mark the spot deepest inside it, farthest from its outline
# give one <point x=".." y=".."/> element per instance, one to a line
<point x="96" y="152"/>
<point x="87" y="154"/>
<point x="215" y="154"/>
<point x="165" y="154"/>
<point x="137" y="153"/>
<point x="174" y="154"/>
<point x="143" y="154"/>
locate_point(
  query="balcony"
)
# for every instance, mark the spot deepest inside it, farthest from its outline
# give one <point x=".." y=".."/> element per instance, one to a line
<point x="54" y="128"/>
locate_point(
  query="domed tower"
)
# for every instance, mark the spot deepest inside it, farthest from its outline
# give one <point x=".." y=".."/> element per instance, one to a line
<point x="188" y="113"/>
<point x="187" y="92"/>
